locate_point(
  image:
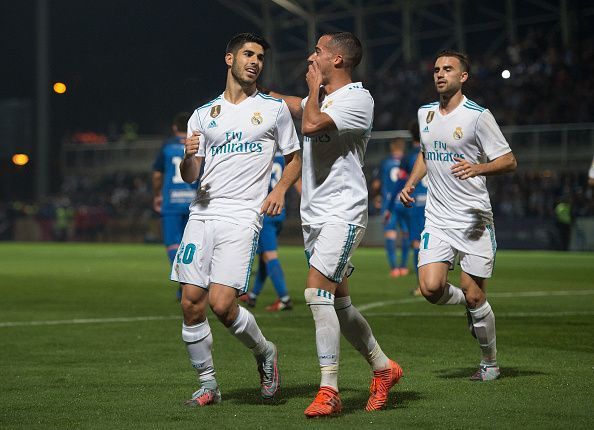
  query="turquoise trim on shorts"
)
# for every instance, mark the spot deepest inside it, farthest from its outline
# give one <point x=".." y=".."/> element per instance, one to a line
<point x="249" y="268"/>
<point x="344" y="257"/>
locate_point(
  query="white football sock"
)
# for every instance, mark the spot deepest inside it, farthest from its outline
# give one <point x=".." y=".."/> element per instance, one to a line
<point x="452" y="296"/>
<point x="198" y="339"/>
<point x="321" y="303"/>
<point x="356" y="330"/>
<point x="483" y="321"/>
<point x="245" y="328"/>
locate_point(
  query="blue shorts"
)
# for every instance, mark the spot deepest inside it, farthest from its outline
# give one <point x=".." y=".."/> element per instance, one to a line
<point x="399" y="220"/>
<point x="172" y="227"/>
<point x="268" y="235"/>
<point x="417" y="222"/>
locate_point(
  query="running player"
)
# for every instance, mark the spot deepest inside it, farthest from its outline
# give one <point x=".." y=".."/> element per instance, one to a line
<point x="336" y="118"/>
<point x="236" y="136"/>
<point x="461" y="143"/>
<point x="171" y="195"/>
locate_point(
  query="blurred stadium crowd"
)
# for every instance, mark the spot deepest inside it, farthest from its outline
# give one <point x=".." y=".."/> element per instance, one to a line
<point x="547" y="85"/>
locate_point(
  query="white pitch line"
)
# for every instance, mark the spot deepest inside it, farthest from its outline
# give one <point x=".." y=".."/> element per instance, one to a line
<point x="87" y="321"/>
<point x="373" y="305"/>
<point x="362" y="308"/>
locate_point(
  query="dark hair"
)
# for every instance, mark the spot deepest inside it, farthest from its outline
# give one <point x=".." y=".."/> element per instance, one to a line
<point x="181" y="121"/>
<point x="238" y="41"/>
<point x="349" y="46"/>
<point x="464" y="60"/>
<point x="414" y="131"/>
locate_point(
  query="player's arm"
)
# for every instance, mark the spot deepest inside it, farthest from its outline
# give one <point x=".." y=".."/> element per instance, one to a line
<point x="293" y="102"/>
<point x="500" y="156"/>
<point x="315" y="121"/>
<point x="275" y="201"/>
<point x="190" y="164"/>
<point x="157" y="183"/>
<point x="418" y="172"/>
<point x="503" y="164"/>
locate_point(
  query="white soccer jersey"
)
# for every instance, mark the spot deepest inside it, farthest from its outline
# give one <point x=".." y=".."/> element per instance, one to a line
<point x="238" y="143"/>
<point x="334" y="186"/>
<point x="468" y="132"/>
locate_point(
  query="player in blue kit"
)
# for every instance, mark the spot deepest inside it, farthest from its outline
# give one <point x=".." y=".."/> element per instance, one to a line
<point x="268" y="264"/>
<point x="171" y="195"/>
<point x="417" y="212"/>
<point x="392" y="178"/>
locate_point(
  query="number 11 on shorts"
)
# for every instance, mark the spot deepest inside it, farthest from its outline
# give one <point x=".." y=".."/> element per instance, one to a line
<point x="425" y="239"/>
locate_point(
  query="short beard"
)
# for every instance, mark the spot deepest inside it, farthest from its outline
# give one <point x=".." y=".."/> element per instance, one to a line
<point x="237" y="76"/>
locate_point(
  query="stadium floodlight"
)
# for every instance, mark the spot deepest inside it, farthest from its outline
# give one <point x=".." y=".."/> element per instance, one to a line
<point x="505" y="74"/>
<point x="59" y="88"/>
<point x="20" y="159"/>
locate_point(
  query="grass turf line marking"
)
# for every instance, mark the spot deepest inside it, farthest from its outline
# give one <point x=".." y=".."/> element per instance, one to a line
<point x="373" y="305"/>
<point x="361" y="308"/>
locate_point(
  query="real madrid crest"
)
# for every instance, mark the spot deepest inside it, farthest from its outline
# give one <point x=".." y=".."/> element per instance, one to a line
<point x="430" y="116"/>
<point x="327" y="105"/>
<point x="215" y="111"/>
<point x="257" y="118"/>
<point x="458" y="133"/>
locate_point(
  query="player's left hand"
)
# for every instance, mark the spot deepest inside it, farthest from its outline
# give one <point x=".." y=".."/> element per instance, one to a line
<point x="464" y="170"/>
<point x="273" y="204"/>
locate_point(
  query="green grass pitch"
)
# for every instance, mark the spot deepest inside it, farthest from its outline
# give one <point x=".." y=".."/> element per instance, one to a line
<point x="90" y="338"/>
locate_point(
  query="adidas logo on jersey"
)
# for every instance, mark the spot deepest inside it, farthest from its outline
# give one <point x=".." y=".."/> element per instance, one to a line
<point x="426" y="129"/>
<point x="212" y="124"/>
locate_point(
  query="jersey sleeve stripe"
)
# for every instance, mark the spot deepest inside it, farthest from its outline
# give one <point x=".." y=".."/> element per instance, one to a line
<point x="470" y="102"/>
<point x="209" y="103"/>
<point x="267" y="97"/>
<point x="473" y="108"/>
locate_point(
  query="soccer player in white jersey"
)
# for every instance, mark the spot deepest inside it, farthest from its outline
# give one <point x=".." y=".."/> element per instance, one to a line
<point x="461" y="143"/>
<point x="236" y="136"/>
<point x="336" y="118"/>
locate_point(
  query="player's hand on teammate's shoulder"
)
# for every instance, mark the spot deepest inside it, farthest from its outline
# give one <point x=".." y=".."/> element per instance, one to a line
<point x="404" y="195"/>
<point x="192" y="144"/>
<point x="463" y="169"/>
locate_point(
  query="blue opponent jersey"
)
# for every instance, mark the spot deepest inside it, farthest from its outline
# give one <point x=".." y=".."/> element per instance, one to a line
<point x="278" y="165"/>
<point x="393" y="178"/>
<point x="420" y="192"/>
<point x="177" y="195"/>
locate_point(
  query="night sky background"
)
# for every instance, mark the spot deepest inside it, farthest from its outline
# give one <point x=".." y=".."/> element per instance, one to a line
<point x="133" y="60"/>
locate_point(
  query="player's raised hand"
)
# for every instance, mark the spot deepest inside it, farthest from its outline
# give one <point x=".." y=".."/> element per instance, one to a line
<point x="192" y="144"/>
<point x="463" y="169"/>
<point x="274" y="203"/>
<point x="405" y="196"/>
<point x="313" y="76"/>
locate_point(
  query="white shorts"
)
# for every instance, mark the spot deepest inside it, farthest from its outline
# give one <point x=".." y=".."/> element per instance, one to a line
<point x="215" y="251"/>
<point x="329" y="247"/>
<point x="477" y="256"/>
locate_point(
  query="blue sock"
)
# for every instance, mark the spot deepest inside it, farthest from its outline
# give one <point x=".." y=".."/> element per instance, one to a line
<point x="390" y="245"/>
<point x="416" y="260"/>
<point x="277" y="277"/>
<point x="405" y="246"/>
<point x="171" y="254"/>
<point x="260" y="279"/>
